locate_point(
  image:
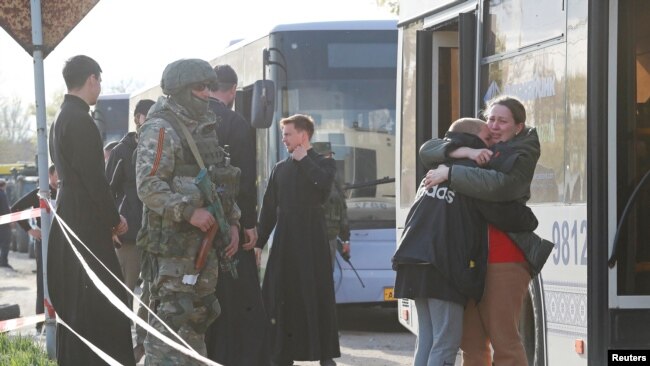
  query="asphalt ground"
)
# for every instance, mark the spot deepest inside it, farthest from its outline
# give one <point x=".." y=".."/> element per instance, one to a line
<point x="369" y="335"/>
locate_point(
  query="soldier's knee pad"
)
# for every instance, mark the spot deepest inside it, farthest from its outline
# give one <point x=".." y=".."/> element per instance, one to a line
<point x="213" y="309"/>
<point x="176" y="309"/>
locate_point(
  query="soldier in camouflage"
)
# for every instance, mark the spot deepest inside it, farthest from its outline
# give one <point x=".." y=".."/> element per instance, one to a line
<point x="178" y="212"/>
<point x="336" y="210"/>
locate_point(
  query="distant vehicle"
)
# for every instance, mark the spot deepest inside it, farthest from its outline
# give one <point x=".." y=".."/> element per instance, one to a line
<point x="21" y="178"/>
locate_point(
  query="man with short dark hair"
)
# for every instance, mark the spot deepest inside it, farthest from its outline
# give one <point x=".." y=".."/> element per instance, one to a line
<point x="240" y="335"/>
<point x="86" y="206"/>
<point x="298" y="287"/>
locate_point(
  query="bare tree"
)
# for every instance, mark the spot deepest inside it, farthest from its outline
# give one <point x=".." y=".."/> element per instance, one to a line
<point x="51" y="108"/>
<point x="124" y="86"/>
<point x="15" y="121"/>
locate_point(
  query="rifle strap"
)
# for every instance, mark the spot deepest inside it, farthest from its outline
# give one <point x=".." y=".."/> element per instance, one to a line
<point x="192" y="143"/>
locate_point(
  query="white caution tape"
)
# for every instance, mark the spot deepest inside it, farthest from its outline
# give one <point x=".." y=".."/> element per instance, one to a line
<point x="108" y="359"/>
<point x="19" y="216"/>
<point x="121" y="306"/>
<point x="13" y="324"/>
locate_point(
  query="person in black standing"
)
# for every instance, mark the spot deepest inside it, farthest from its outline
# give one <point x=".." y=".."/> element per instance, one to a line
<point x="298" y="286"/>
<point x="120" y="173"/>
<point x="239" y="336"/>
<point x="31" y="200"/>
<point x="85" y="204"/>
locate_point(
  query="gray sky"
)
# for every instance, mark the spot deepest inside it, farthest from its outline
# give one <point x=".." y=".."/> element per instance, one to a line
<point x="136" y="39"/>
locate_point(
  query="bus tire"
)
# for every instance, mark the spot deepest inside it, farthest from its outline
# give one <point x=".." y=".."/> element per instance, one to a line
<point x="532" y="327"/>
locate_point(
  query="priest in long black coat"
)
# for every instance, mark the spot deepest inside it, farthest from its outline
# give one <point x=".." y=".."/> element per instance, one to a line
<point x="298" y="289"/>
<point x="84" y="202"/>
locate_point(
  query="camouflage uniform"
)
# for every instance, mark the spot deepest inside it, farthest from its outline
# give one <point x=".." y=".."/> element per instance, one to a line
<point x="336" y="210"/>
<point x="166" y="171"/>
<point x="336" y="218"/>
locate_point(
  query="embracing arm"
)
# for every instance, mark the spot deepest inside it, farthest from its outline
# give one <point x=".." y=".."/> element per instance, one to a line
<point x="492" y="185"/>
<point x="508" y="216"/>
<point x="437" y="151"/>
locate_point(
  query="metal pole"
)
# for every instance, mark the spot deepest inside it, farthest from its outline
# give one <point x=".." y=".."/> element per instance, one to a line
<point x="43" y="182"/>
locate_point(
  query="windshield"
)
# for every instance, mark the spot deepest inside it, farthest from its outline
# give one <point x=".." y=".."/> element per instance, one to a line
<point x="346" y="81"/>
<point x="357" y="117"/>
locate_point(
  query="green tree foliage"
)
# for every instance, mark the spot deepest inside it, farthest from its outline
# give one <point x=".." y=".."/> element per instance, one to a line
<point x="391" y="5"/>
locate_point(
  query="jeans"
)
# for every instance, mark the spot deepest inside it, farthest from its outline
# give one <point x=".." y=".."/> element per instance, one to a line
<point x="440" y="331"/>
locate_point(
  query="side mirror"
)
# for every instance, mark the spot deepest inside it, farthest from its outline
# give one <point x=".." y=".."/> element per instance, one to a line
<point x="263" y="104"/>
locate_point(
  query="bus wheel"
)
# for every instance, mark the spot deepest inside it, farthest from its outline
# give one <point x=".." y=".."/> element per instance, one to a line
<point x="531" y="325"/>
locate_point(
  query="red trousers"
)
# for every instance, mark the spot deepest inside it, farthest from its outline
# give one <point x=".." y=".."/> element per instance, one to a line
<point x="495" y="319"/>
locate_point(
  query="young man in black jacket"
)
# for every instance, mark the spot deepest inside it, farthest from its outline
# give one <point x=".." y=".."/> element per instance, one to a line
<point x="120" y="173"/>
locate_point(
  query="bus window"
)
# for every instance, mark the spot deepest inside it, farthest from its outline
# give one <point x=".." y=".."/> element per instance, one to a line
<point x="513" y="24"/>
<point x="537" y="79"/>
<point x="346" y="82"/>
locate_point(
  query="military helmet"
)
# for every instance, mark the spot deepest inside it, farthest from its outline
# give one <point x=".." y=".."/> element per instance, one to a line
<point x="185" y="72"/>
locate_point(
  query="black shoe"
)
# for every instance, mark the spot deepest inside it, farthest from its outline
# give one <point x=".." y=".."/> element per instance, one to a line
<point x="328" y="362"/>
<point x="6" y="265"/>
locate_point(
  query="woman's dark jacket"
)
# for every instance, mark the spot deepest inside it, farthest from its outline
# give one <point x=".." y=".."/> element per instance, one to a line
<point x="497" y="186"/>
<point x="449" y="229"/>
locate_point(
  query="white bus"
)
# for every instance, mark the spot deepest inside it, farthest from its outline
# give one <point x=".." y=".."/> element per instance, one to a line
<point x="342" y="74"/>
<point x="582" y="69"/>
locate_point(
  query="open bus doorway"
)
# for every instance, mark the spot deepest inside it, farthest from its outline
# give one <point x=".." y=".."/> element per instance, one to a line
<point x="633" y="147"/>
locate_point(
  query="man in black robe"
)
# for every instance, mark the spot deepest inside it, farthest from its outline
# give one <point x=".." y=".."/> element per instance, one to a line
<point x="239" y="336"/>
<point x="298" y="288"/>
<point x="85" y="204"/>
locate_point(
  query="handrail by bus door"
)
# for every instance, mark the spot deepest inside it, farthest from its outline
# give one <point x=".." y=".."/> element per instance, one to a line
<point x="614" y="256"/>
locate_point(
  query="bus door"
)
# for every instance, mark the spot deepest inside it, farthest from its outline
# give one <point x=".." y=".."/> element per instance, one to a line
<point x="437" y="86"/>
<point x="629" y="186"/>
<point x="430" y="103"/>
